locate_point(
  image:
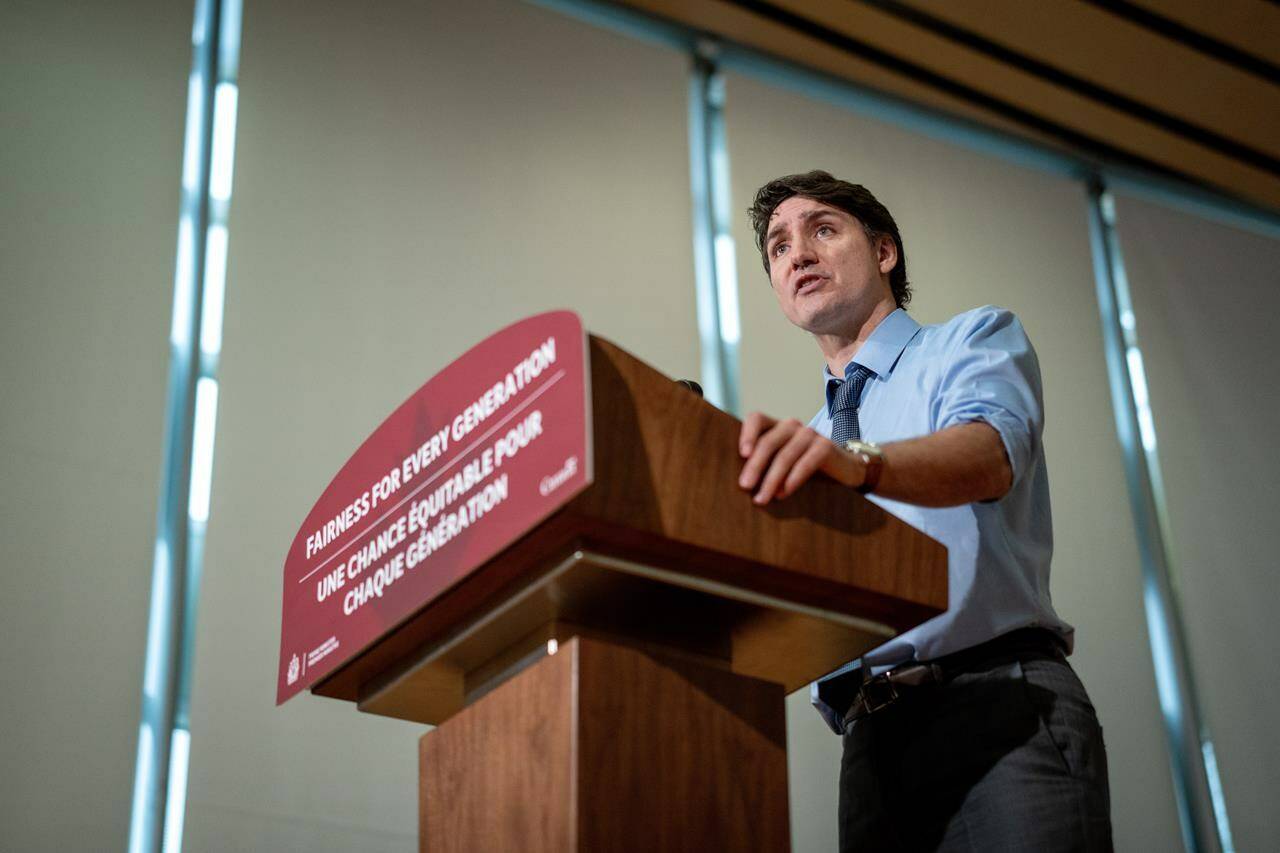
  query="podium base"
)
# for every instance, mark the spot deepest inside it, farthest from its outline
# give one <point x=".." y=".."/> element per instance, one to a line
<point x="602" y="746"/>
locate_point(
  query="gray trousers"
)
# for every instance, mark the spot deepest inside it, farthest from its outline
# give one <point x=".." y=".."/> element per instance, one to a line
<point x="1007" y="755"/>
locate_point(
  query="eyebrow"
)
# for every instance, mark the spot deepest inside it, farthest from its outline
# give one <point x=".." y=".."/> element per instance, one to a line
<point x="804" y="217"/>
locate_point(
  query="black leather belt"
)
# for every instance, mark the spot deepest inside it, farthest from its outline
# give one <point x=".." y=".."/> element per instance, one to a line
<point x="881" y="691"/>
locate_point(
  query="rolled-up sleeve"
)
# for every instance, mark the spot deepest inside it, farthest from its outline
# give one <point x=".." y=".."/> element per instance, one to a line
<point x="991" y="374"/>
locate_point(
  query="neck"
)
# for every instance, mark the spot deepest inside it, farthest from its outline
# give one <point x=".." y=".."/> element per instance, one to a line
<point x="838" y="348"/>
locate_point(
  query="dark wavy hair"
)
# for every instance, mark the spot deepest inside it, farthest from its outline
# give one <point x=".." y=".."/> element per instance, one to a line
<point x="854" y="199"/>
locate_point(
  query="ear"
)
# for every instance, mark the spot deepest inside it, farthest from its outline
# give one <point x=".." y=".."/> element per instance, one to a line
<point x="886" y="253"/>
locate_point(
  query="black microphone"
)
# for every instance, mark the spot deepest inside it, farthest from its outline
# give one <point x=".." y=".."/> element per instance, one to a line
<point x="691" y="385"/>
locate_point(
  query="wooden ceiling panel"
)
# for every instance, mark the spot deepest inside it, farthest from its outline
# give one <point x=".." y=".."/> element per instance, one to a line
<point x="1079" y="76"/>
<point x="1251" y="26"/>
<point x="1166" y="81"/>
<point x="1082" y="121"/>
<point x="724" y="19"/>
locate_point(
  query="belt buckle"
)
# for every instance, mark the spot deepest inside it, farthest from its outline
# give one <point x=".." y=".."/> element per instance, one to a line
<point x="878" y="692"/>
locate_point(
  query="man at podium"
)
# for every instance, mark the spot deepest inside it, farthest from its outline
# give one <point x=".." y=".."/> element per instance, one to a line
<point x="970" y="731"/>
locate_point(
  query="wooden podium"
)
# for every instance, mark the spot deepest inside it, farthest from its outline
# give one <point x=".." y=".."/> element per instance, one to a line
<point x="615" y="680"/>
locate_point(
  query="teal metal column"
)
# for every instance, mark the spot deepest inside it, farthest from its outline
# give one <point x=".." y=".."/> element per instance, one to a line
<point x="1201" y="808"/>
<point x="715" y="264"/>
<point x="195" y="342"/>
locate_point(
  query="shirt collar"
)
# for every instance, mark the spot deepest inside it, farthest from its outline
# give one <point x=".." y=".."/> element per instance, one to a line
<point x="880" y="352"/>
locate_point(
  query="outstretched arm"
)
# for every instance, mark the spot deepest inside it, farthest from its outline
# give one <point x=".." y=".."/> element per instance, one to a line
<point x="957" y="465"/>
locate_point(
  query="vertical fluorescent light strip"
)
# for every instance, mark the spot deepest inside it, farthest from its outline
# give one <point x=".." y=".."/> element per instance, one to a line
<point x="179" y="755"/>
<point x="184" y="279"/>
<point x="202" y="449"/>
<point x="704" y="261"/>
<point x="715" y="270"/>
<point x="1215" y="791"/>
<point x="164" y="740"/>
<point x="1201" y="810"/>
<point x="215" y="283"/>
<point x="722" y="223"/>
<point x="727" y="292"/>
<point x="1162" y="657"/>
<point x="224" y="140"/>
<point x="1146" y="420"/>
<point x="141" y="785"/>
<point x="152" y="673"/>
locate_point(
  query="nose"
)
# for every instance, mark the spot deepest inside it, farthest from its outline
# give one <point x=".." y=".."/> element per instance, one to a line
<point x="802" y="254"/>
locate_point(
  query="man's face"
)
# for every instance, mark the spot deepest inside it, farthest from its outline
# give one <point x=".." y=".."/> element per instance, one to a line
<point x="825" y="271"/>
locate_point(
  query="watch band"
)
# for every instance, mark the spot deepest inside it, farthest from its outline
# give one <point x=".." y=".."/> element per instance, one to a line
<point x="873" y="458"/>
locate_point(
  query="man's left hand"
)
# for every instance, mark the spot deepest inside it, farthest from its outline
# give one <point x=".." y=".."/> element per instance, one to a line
<point x="782" y="455"/>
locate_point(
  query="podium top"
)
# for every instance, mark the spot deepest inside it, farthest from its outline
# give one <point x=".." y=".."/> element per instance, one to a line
<point x="664" y="549"/>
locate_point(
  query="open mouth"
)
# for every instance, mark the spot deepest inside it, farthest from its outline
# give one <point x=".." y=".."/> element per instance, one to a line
<point x="806" y="283"/>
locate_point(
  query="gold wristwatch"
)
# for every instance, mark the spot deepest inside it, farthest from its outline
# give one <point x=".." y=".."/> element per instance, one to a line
<point x="872" y="457"/>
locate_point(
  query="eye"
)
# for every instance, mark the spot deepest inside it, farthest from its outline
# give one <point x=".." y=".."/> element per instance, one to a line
<point x="778" y="249"/>
<point x="824" y="230"/>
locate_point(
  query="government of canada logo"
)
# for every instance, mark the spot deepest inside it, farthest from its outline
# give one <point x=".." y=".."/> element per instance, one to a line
<point x="292" y="675"/>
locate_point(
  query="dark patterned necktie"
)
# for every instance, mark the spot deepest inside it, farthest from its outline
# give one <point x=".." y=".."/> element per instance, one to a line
<point x="844" y="406"/>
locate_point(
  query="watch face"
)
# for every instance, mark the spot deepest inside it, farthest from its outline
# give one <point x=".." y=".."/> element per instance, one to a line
<point x="872" y="460"/>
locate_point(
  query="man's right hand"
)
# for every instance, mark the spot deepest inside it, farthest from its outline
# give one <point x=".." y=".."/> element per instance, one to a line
<point x="782" y="455"/>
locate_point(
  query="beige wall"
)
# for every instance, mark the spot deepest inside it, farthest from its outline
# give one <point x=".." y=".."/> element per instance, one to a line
<point x="976" y="231"/>
<point x="1206" y="297"/>
<point x="91" y="112"/>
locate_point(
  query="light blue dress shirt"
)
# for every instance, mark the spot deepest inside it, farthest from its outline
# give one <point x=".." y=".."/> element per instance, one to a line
<point x="978" y="366"/>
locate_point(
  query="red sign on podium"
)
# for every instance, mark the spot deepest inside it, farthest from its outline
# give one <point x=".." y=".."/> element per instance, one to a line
<point x="480" y="454"/>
